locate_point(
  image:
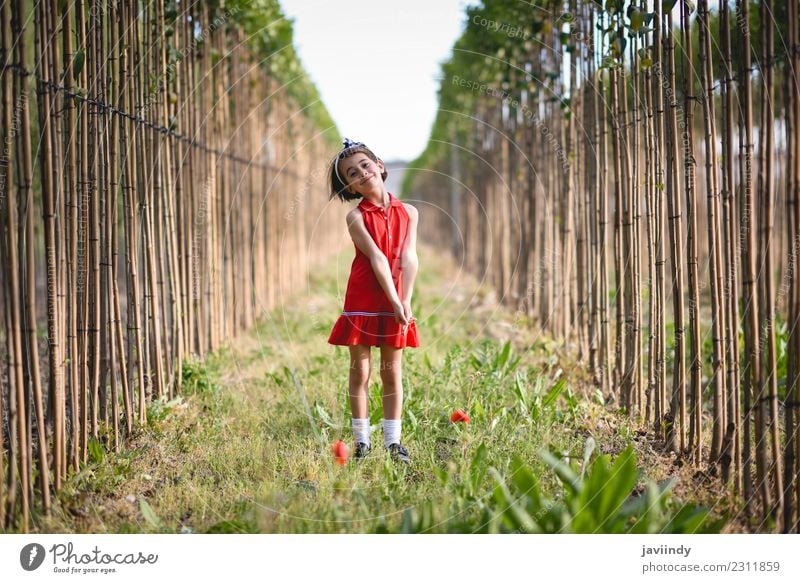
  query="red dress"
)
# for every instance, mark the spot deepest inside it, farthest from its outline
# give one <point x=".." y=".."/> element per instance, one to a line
<point x="368" y="317"/>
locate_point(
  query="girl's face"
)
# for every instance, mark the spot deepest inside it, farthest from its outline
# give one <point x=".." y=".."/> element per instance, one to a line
<point x="361" y="174"/>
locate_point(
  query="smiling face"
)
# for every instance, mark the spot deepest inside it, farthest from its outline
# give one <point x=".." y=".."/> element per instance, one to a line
<point x="356" y="172"/>
<point x="361" y="174"/>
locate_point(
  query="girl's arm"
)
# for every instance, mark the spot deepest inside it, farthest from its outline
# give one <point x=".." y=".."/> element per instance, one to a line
<point x="409" y="260"/>
<point x="380" y="264"/>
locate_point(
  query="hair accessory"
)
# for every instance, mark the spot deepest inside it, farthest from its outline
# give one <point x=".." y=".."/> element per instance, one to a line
<point x="348" y="143"/>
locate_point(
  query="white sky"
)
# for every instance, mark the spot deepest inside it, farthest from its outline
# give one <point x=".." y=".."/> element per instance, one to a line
<point x="375" y="64"/>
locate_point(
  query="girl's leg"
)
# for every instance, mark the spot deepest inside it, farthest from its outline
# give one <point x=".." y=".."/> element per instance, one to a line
<point x="391" y="375"/>
<point x="360" y="366"/>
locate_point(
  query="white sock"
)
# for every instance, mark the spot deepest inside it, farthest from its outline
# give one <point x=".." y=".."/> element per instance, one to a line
<point x="391" y="431"/>
<point x="361" y="430"/>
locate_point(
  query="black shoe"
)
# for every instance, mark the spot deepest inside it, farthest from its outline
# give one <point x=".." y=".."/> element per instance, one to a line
<point x="399" y="453"/>
<point x="362" y="450"/>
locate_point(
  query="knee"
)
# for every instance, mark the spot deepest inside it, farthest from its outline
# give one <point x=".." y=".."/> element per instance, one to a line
<point x="359" y="373"/>
<point x="391" y="374"/>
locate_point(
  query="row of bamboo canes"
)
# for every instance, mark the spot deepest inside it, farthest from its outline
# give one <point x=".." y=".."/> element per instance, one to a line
<point x="154" y="202"/>
<point x="643" y="205"/>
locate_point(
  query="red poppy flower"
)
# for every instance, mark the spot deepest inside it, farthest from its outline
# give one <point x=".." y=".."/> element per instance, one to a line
<point x="339" y="450"/>
<point x="459" y="416"/>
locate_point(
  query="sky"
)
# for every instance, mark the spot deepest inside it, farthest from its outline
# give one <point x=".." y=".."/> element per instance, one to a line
<point x="376" y="64"/>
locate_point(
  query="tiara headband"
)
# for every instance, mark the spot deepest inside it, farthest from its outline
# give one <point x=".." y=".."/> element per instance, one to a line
<point x="348" y="143"/>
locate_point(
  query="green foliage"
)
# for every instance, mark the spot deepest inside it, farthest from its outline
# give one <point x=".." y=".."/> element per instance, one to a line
<point x="537" y="399"/>
<point x="599" y="497"/>
<point x="96" y="452"/>
<point x="160" y="409"/>
<point x="781" y="353"/>
<point x="468" y="493"/>
<point x="150" y="516"/>
<point x="483" y="57"/>
<point x="195" y="379"/>
<point x="499" y="363"/>
<point x="322" y="416"/>
<point x="270" y="35"/>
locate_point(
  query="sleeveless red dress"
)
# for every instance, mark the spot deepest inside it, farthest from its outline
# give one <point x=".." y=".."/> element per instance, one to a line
<point x="368" y="317"/>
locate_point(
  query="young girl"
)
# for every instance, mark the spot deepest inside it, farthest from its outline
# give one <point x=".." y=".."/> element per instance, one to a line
<point x="377" y="305"/>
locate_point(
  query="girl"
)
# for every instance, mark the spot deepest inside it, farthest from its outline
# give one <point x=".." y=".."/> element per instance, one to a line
<point x="377" y="305"/>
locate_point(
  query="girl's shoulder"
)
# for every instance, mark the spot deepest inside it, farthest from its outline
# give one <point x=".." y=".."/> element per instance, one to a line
<point x="354" y="220"/>
<point x="353" y="215"/>
<point x="411" y="210"/>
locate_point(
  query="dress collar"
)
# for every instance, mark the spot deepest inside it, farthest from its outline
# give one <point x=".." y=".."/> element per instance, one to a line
<point x="367" y="205"/>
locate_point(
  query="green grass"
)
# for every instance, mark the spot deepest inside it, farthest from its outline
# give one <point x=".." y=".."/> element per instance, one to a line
<point x="246" y="448"/>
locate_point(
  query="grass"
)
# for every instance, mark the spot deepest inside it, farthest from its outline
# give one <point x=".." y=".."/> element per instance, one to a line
<point x="246" y="448"/>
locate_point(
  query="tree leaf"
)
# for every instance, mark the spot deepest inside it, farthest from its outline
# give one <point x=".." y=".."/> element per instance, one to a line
<point x="78" y="60"/>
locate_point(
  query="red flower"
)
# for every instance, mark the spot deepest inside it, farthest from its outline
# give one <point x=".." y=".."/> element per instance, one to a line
<point x="339" y="450"/>
<point x="459" y="416"/>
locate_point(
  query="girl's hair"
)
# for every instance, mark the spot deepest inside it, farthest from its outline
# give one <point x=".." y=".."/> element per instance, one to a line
<point x="337" y="188"/>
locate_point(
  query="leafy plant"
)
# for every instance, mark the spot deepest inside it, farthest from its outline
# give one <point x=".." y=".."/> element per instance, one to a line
<point x="96" y="452"/>
<point x="540" y="397"/>
<point x="160" y="409"/>
<point x="598" y="497"/>
<point x="195" y="378"/>
<point x="499" y="363"/>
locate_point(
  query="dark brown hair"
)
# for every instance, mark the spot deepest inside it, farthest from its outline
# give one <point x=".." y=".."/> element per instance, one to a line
<point x="339" y="190"/>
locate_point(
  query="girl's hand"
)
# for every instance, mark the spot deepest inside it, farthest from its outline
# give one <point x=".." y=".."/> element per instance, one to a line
<point x="400" y="314"/>
<point x="407" y="311"/>
<point x="409" y="317"/>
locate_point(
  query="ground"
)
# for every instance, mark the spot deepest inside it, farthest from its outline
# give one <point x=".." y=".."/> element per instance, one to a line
<point x="246" y="448"/>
